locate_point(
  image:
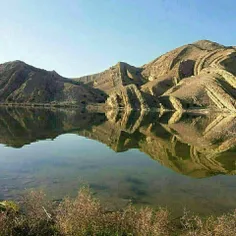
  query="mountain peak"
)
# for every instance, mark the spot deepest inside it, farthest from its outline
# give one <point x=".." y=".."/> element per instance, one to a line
<point x="121" y="64"/>
<point x="16" y="62"/>
<point x="208" y="44"/>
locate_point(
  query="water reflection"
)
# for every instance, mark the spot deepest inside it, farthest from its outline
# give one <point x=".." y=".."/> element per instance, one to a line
<point x="19" y="126"/>
<point x="70" y="146"/>
<point x="197" y="145"/>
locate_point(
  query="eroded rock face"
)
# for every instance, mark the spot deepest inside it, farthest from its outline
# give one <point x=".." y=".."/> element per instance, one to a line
<point x="117" y="76"/>
<point x="130" y="97"/>
<point x="186" y="69"/>
<point x="194" y="76"/>
<point x="200" y="75"/>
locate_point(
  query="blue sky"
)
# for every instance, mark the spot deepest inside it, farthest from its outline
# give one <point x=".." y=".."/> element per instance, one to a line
<point x="81" y="37"/>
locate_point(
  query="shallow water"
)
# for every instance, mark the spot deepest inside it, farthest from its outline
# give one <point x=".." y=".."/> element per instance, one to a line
<point x="149" y="159"/>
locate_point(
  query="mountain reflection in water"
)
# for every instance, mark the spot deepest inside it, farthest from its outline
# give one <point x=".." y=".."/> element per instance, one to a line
<point x="193" y="145"/>
<point x="197" y="145"/>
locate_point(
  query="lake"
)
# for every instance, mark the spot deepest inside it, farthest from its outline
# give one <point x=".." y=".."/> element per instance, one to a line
<point x="152" y="159"/>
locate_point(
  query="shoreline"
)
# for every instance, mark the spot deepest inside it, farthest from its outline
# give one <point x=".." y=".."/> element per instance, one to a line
<point x="84" y="215"/>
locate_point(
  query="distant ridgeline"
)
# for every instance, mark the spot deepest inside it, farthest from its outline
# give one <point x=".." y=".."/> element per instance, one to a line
<point x="200" y="75"/>
<point x="192" y="144"/>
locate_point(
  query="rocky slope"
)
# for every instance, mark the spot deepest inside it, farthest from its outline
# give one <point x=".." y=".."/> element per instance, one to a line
<point x="115" y="77"/>
<point x="200" y="75"/>
<point x="197" y="75"/>
<point x="22" y="83"/>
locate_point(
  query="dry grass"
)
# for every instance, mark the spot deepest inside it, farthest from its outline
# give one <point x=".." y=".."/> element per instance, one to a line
<point x="224" y="225"/>
<point x="85" y="216"/>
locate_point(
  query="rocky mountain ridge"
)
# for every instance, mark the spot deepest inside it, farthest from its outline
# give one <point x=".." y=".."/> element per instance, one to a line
<point x="22" y="83"/>
<point x="200" y="75"/>
<point x="194" y="76"/>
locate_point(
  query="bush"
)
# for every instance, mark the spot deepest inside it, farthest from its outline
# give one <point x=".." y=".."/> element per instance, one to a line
<point x="84" y="215"/>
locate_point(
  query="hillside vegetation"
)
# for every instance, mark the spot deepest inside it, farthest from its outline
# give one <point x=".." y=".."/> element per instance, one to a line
<point x="84" y="215"/>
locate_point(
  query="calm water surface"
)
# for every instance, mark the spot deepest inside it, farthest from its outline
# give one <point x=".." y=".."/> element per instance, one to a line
<point x="151" y="159"/>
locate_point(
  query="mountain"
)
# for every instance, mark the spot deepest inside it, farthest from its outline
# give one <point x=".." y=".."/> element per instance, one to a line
<point x="200" y="75"/>
<point x="197" y="75"/>
<point x="22" y="83"/>
<point x="121" y="74"/>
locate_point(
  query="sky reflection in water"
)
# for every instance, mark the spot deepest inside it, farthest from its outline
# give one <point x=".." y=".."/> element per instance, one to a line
<point x="150" y="159"/>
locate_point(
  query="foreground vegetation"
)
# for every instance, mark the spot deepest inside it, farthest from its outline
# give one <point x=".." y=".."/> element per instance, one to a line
<point x="84" y="215"/>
